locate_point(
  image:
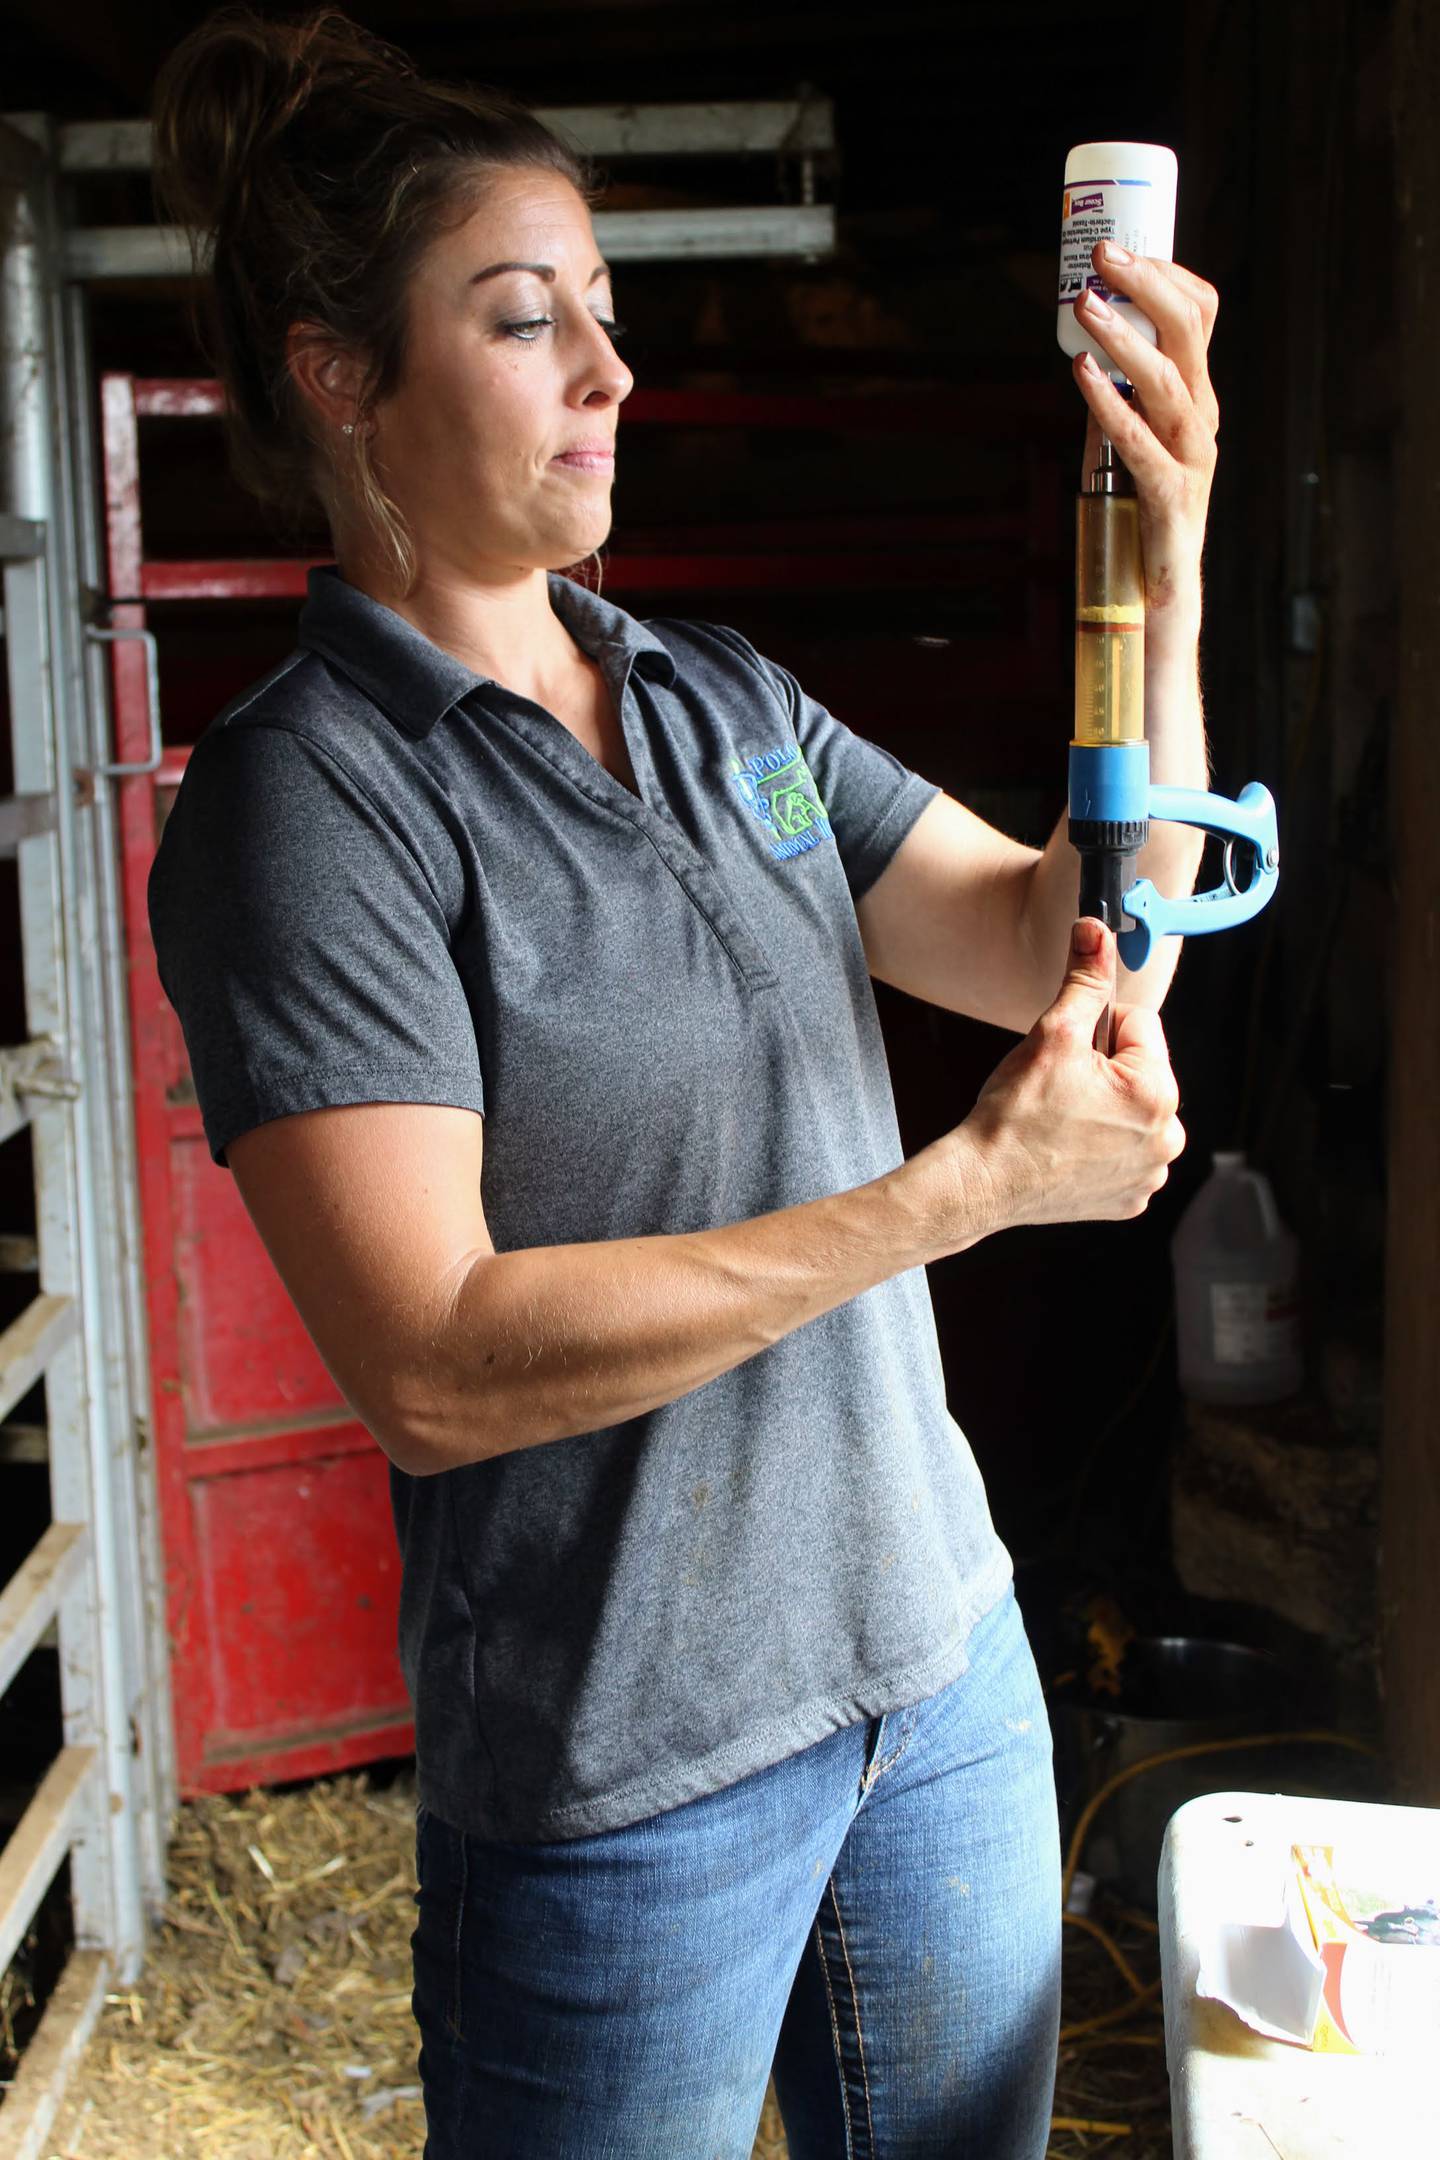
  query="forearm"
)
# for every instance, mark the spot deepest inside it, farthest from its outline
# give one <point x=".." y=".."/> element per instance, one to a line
<point x="560" y="1340"/>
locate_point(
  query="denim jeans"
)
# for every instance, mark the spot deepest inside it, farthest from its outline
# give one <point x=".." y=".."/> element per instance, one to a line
<point x="878" y="1916"/>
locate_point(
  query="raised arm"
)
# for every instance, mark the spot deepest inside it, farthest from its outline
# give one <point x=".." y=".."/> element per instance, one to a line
<point x="967" y="919"/>
<point x="451" y="1352"/>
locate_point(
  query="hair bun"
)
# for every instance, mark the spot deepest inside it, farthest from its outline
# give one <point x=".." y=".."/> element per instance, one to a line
<point x="231" y="87"/>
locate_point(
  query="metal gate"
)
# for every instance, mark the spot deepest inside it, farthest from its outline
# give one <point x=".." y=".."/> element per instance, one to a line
<point x="73" y="1388"/>
<point x="281" y="1563"/>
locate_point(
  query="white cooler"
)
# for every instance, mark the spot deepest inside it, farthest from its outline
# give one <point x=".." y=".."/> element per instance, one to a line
<point x="1234" y="2094"/>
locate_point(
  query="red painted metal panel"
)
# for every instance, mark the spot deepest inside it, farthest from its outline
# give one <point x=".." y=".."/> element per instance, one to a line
<point x="156" y="1070"/>
<point x="247" y="1763"/>
<point x="326" y="1433"/>
<point x="934" y="413"/>
<point x="266" y="579"/>
<point x="157" y="399"/>
<point x="300" y="1576"/>
<point x="903" y="566"/>
<point x="244" y="1355"/>
<point x="280" y="1559"/>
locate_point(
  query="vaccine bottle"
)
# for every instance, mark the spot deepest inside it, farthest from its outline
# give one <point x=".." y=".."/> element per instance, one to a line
<point x="1120" y="191"/>
<point x="1237" y="1297"/>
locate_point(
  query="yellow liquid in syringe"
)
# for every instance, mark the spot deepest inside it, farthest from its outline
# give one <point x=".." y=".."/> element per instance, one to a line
<point x="1110" y="674"/>
<point x="1109" y="621"/>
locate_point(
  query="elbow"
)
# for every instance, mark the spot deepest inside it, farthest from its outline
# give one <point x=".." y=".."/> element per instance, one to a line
<point x="405" y="1453"/>
<point x="438" y="1402"/>
<point x="419" y="1423"/>
<point x="441" y="1435"/>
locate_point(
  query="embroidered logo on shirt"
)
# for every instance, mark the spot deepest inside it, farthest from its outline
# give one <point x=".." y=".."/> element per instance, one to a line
<point x="778" y="787"/>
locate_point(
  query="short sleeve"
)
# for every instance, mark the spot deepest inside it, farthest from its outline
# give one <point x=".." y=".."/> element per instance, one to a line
<point x="870" y="797"/>
<point x="300" y="941"/>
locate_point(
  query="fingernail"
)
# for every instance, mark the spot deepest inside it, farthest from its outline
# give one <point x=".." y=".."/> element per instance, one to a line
<point x="1085" y="937"/>
<point x="1110" y="251"/>
<point x="1098" y="308"/>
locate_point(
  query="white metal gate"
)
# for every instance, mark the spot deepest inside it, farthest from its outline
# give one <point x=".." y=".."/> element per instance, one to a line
<point x="93" y="1576"/>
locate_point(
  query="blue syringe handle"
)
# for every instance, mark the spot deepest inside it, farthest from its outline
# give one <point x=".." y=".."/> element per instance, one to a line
<point x="1249" y="826"/>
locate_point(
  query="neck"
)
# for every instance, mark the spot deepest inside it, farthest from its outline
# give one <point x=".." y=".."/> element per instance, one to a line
<point x="502" y="625"/>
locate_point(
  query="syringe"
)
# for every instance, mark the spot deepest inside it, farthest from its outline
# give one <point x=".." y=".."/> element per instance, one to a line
<point x="1126" y="192"/>
<point x="1109" y="684"/>
<point x="1111" y="800"/>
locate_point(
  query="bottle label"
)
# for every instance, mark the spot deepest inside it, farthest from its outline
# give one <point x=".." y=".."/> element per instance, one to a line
<point x="1100" y="210"/>
<point x="1254" y="1323"/>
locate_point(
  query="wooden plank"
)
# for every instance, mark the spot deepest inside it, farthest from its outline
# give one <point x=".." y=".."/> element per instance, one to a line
<point x="738" y="128"/>
<point x="20" y="538"/>
<point x="29" y="1600"/>
<point x="24" y="817"/>
<point x="39" y="1842"/>
<point x="95" y="253"/>
<point x="53" y="2050"/>
<point x="24" y="1443"/>
<point x="1410" y="1459"/>
<point x="29" y="1343"/>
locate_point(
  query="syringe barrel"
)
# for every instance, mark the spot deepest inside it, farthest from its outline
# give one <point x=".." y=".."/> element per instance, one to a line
<point x="1109" y="621"/>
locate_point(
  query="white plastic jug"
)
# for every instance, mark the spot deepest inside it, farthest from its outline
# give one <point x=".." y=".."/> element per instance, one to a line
<point x="1236" y="1291"/>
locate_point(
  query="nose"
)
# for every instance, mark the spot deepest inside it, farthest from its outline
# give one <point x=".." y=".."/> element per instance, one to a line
<point x="604" y="370"/>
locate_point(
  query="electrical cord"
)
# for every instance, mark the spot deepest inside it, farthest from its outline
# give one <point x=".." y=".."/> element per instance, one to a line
<point x="1183" y="1754"/>
<point x="1143" y="1994"/>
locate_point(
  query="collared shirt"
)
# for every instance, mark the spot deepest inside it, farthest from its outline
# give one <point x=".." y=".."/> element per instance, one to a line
<point x="387" y="879"/>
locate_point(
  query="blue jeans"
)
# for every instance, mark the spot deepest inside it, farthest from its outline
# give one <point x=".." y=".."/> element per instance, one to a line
<point x="878" y="1916"/>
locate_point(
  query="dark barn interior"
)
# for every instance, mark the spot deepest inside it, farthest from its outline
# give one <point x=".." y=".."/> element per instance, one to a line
<point x="912" y="563"/>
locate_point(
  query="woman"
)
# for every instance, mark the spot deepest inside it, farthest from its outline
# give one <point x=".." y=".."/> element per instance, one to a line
<point x="522" y="951"/>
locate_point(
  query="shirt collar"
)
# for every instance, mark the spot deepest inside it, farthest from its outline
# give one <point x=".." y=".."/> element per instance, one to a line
<point x="414" y="682"/>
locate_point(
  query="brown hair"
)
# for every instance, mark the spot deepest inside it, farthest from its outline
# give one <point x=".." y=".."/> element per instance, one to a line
<point x="312" y="166"/>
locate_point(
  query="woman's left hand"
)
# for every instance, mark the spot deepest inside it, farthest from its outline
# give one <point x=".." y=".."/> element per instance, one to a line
<point x="1166" y="437"/>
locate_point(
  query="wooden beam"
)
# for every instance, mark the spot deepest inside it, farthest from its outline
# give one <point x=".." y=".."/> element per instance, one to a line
<point x="1410" y="1495"/>
<point x="748" y="231"/>
<point x="29" y="1601"/>
<point x="51" y="2053"/>
<point x="737" y="127"/>
<point x="29" y="1342"/>
<point x="24" y="1443"/>
<point x="40" y="1841"/>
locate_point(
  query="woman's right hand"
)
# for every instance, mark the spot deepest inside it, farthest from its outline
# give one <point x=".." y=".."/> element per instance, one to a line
<point x="1059" y="1132"/>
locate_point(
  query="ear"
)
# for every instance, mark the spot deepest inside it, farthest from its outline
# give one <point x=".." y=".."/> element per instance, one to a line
<point x="328" y="376"/>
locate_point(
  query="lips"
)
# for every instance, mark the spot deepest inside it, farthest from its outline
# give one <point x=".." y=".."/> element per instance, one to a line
<point x="599" y="458"/>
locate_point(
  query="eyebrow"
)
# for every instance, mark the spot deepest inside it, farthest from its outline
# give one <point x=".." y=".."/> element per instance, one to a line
<point x="543" y="270"/>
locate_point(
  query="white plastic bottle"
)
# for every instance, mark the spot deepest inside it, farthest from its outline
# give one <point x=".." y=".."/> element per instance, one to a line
<point x="1113" y="191"/>
<point x="1236" y="1291"/>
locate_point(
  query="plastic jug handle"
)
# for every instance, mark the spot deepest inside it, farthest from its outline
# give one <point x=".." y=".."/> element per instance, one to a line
<point x="1269" y="1213"/>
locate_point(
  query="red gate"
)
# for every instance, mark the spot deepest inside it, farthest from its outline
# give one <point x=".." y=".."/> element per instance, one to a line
<point x="282" y="1571"/>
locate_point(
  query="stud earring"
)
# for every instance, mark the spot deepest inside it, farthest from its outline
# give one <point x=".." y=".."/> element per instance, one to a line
<point x="348" y="428"/>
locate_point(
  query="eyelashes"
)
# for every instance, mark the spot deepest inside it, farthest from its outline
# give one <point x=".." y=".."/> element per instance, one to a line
<point x="536" y="323"/>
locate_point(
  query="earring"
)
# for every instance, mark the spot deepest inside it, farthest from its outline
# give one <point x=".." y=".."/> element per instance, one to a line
<point x="348" y="428"/>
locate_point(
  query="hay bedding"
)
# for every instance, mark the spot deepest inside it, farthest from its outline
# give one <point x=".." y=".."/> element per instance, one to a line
<point x="273" y="2020"/>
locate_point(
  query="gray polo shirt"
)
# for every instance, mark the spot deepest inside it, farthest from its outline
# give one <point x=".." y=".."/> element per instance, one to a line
<point x="385" y="879"/>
